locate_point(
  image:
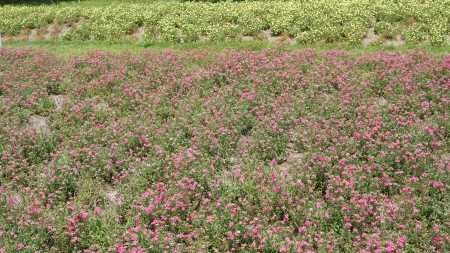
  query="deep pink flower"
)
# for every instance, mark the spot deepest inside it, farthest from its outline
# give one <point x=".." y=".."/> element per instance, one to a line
<point x="401" y="241"/>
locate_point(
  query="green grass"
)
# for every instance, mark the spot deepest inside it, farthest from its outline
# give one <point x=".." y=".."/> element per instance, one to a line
<point x="69" y="48"/>
<point x="84" y="3"/>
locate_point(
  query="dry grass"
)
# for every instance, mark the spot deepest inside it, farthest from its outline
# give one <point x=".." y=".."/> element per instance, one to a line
<point x="23" y="35"/>
<point x="7" y="38"/>
<point x="40" y="35"/>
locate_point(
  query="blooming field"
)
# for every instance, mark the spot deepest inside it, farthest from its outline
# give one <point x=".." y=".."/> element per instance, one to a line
<point x="415" y="21"/>
<point x="268" y="151"/>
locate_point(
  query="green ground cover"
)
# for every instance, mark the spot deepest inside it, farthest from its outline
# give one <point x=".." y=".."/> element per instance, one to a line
<point x="214" y="151"/>
<point x="111" y="143"/>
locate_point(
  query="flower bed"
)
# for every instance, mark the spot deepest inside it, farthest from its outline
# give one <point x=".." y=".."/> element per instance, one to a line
<point x="234" y="151"/>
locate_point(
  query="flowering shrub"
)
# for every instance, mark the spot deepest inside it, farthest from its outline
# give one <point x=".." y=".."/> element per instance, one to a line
<point x="219" y="152"/>
<point x="349" y="21"/>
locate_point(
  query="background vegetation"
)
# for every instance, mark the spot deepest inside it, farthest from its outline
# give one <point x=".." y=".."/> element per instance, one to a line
<point x="305" y="22"/>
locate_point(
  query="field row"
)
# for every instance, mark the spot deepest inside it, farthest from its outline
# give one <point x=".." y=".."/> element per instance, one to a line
<point x="352" y="21"/>
<point x="268" y="151"/>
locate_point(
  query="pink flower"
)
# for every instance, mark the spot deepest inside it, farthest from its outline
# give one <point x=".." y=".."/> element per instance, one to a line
<point x="436" y="229"/>
<point x="401" y="240"/>
<point x="437" y="239"/>
<point x="303" y="243"/>
<point x="406" y="190"/>
<point x="210" y="218"/>
<point x="119" y="248"/>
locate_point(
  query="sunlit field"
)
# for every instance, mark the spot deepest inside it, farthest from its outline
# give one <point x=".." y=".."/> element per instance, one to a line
<point x="231" y="151"/>
<point x="255" y="126"/>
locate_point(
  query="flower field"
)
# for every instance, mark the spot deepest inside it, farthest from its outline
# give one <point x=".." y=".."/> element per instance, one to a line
<point x="233" y="151"/>
<point x="349" y="21"/>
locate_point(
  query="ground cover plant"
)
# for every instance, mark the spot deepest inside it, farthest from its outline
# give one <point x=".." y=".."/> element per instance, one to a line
<point x="238" y="151"/>
<point x="306" y="22"/>
<point x="79" y="48"/>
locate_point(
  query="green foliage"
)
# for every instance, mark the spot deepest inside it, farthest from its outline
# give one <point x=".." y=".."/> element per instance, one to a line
<point x="175" y="22"/>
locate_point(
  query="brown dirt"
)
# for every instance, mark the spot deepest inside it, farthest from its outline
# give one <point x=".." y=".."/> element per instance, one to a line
<point x="285" y="39"/>
<point x="40" y="34"/>
<point x="398" y="41"/>
<point x="39" y="124"/>
<point x="260" y="36"/>
<point x="248" y="38"/>
<point x="411" y="21"/>
<point x="56" y="30"/>
<point x="23" y="35"/>
<point x="59" y="101"/>
<point x="371" y="38"/>
<point x="7" y="38"/>
<point x="32" y="34"/>
<point x="139" y="33"/>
